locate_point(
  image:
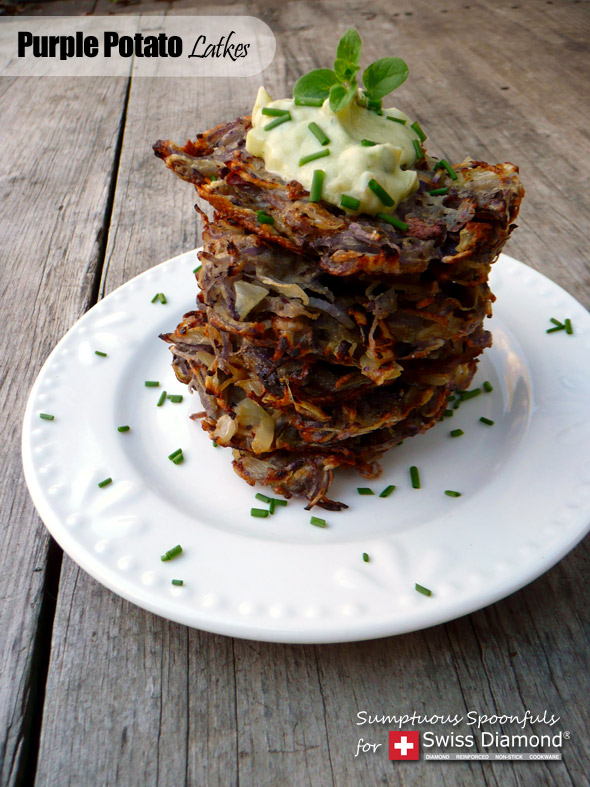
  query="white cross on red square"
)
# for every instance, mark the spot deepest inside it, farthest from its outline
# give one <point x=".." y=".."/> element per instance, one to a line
<point x="404" y="745"/>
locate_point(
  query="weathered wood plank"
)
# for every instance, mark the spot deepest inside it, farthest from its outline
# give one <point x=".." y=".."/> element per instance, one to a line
<point x="58" y="144"/>
<point x="266" y="714"/>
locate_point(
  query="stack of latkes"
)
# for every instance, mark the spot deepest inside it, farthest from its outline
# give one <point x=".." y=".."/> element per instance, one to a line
<point x="321" y="339"/>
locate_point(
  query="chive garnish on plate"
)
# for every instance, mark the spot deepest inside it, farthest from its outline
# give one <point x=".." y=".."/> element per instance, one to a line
<point x="162" y="399"/>
<point x="152" y="384"/>
<point x="380" y="192"/>
<point x="175" y="398"/>
<point x="277" y="122"/>
<point x="366" y="557"/>
<point x="403" y="121"/>
<point x="171" y="553"/>
<point x="263" y="498"/>
<point x="264" y="218"/>
<point x="446" y="166"/>
<point x="261" y="513"/>
<point x="486" y="421"/>
<point x="106" y="482"/>
<point x="418" y="129"/>
<point x="318" y="133"/>
<point x="487" y="386"/>
<point x="387" y="491"/>
<point x="313" y="156"/>
<point x="423" y="590"/>
<point x="317" y="185"/>
<point x="452" y="493"/>
<point x="417" y="149"/>
<point x="46" y="416"/>
<point x="352" y="203"/>
<point x="393" y="220"/>
<point x="99" y="352"/>
<point x="568" y="326"/>
<point x="438" y="192"/>
<point x="123" y="428"/>
<point x="317" y="521"/>
<point x="274" y="112"/>
<point x="308" y="102"/>
<point x="415" y="477"/>
<point x="364" y="490"/>
<point x="368" y="143"/>
<point x="197" y="269"/>
<point x="456" y="433"/>
<point x="178" y="582"/>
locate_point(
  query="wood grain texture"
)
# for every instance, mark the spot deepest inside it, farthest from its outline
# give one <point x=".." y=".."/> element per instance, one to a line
<point x="134" y="699"/>
<point x="54" y="198"/>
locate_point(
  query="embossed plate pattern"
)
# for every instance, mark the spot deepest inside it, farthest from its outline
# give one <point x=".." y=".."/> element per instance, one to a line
<point x="525" y="481"/>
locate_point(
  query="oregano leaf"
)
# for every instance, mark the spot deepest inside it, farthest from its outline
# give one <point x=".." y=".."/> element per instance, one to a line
<point x="316" y="84"/>
<point x="350" y="47"/>
<point x="384" y="75"/>
<point x="341" y="96"/>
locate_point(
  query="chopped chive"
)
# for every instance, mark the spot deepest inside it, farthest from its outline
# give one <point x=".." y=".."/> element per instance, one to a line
<point x="417" y="149"/>
<point x="387" y="491"/>
<point x="123" y="428"/>
<point x="175" y="453"/>
<point x="465" y="395"/>
<point x="394" y="221"/>
<point x="486" y="421"/>
<point x="452" y="493"/>
<point x="178" y="582"/>
<point x="415" y="476"/>
<point x="568" y="326"/>
<point x="457" y="404"/>
<point x="423" y="590"/>
<point x="315" y="520"/>
<point x="277" y="122"/>
<point x="352" y="203"/>
<point x="368" y="143"/>
<point x="365" y="557"/>
<point x="212" y="178"/>
<point x="438" y="192"/>
<point x="317" y="184"/>
<point x="156" y="297"/>
<point x="274" y="112"/>
<point x="380" y="192"/>
<point x="364" y="490"/>
<point x="418" y="129"/>
<point x="261" y="513"/>
<point x="318" y="133"/>
<point x="197" y="269"/>
<point x="308" y="102"/>
<point x="175" y="398"/>
<point x="106" y="482"/>
<point x="448" y="413"/>
<point x="263" y="498"/>
<point x="152" y="384"/>
<point x="278" y="502"/>
<point x="178" y="460"/>
<point x="313" y="156"/>
<point x="403" y="121"/>
<point x="271" y="506"/>
<point x="457" y="433"/>
<point x="171" y="553"/>
<point x="46" y="416"/>
<point x="552" y="330"/>
<point x="264" y="218"/>
<point x="487" y="386"/>
<point x="102" y="355"/>
<point x="445" y="165"/>
<point x="214" y="444"/>
<point x="163" y="298"/>
<point x="556" y="322"/>
<point x="162" y="399"/>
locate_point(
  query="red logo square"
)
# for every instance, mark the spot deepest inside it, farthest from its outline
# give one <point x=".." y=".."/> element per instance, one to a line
<point x="404" y="745"/>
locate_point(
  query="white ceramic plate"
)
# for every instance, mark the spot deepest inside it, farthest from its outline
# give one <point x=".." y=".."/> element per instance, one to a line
<point x="525" y="481"/>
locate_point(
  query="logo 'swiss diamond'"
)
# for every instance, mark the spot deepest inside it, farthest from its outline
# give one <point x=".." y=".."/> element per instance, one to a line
<point x="404" y="745"/>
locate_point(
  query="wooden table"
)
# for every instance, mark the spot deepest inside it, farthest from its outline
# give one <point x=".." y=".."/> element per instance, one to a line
<point x="93" y="690"/>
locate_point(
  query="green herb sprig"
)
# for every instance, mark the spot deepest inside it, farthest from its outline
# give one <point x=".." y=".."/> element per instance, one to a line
<point x="340" y="85"/>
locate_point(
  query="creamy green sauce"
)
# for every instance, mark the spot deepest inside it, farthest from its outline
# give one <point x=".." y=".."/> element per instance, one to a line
<point x="350" y="165"/>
